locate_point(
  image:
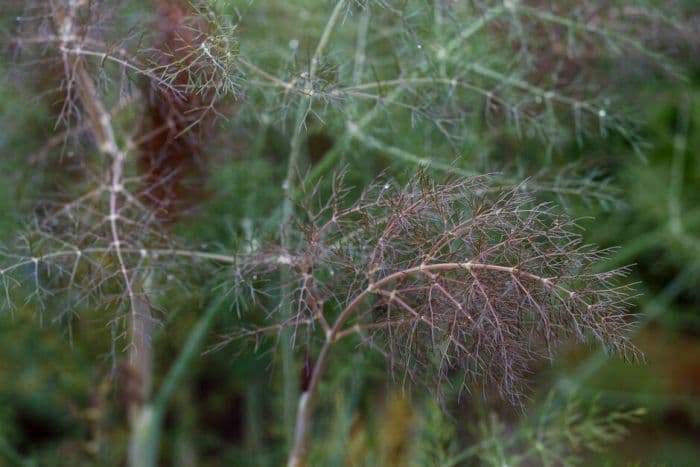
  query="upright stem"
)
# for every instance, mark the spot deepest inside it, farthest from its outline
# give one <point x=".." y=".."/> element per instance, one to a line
<point x="100" y="122"/>
<point x="290" y="382"/>
<point x="289" y="374"/>
<point x="302" y="429"/>
<point x="307" y="400"/>
<point x="140" y="374"/>
<point x="147" y="428"/>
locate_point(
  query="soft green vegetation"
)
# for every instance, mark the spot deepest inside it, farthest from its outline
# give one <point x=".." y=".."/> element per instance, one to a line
<point x="169" y="277"/>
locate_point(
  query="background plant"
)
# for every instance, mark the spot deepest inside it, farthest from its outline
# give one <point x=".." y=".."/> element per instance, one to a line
<point x="460" y="88"/>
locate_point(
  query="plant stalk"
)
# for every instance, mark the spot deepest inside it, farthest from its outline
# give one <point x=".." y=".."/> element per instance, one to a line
<point x="299" y="452"/>
<point x="289" y="373"/>
<point x="140" y="370"/>
<point x="147" y="428"/>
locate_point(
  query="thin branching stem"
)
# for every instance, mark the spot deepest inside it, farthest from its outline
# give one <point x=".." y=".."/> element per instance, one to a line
<point x="304" y="106"/>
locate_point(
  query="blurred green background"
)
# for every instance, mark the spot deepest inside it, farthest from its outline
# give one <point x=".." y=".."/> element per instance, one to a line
<point x="59" y="404"/>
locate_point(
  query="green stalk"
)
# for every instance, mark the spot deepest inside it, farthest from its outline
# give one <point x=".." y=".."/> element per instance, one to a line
<point x="289" y="373"/>
<point x="148" y="427"/>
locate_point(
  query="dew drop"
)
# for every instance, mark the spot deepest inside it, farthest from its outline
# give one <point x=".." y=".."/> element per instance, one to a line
<point x="601" y="118"/>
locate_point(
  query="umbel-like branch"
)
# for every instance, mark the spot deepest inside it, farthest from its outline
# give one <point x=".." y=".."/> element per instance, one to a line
<point x="451" y="282"/>
<point x="65" y="15"/>
<point x="100" y="123"/>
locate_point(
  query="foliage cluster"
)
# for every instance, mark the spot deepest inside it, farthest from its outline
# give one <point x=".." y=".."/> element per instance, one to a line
<point x="313" y="171"/>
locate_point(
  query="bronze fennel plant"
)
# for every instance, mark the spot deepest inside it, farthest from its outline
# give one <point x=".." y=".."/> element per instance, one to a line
<point x="444" y="275"/>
